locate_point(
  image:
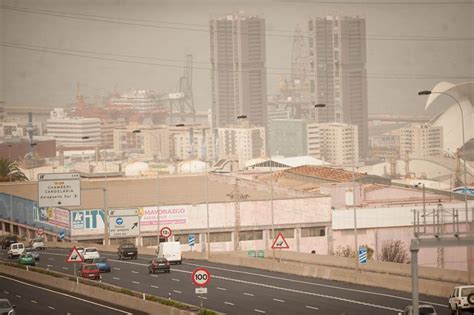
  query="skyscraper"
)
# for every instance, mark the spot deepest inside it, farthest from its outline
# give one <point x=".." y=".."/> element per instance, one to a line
<point x="238" y="74"/>
<point x="337" y="61"/>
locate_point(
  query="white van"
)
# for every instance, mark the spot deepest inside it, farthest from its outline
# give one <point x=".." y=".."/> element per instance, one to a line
<point x="16" y="249"/>
<point x="171" y="251"/>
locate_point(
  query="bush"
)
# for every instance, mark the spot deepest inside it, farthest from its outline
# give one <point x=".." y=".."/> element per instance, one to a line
<point x="394" y="251"/>
<point x="345" y="251"/>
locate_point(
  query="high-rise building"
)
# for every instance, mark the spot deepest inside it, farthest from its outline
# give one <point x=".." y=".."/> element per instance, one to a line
<point x="338" y="74"/>
<point x="241" y="143"/>
<point x="191" y="142"/>
<point x="238" y="75"/>
<point x="335" y="143"/>
<point x="421" y="141"/>
<point x="287" y="137"/>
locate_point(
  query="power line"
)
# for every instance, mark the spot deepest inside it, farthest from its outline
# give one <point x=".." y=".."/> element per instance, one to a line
<point x="122" y="21"/>
<point x="90" y="55"/>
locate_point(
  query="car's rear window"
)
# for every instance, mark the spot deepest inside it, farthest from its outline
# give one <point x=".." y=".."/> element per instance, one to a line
<point x="427" y="310"/>
<point x="467" y="291"/>
<point x="4" y="304"/>
<point x="128" y="246"/>
<point x="90" y="267"/>
<point x="100" y="260"/>
<point x="89" y="250"/>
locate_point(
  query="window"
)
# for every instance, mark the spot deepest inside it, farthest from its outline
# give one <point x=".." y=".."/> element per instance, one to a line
<point x="315" y="231"/>
<point x="183" y="238"/>
<point x="287" y="233"/>
<point x="251" y="235"/>
<point x="220" y="237"/>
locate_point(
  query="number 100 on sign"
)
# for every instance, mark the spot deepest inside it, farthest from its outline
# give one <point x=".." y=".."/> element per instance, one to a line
<point x="201" y="277"/>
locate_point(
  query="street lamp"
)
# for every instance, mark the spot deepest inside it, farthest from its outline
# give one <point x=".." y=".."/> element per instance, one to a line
<point x="468" y="227"/>
<point x="208" y="239"/>
<point x="10" y="175"/>
<point x="157" y="191"/>
<point x="106" y="199"/>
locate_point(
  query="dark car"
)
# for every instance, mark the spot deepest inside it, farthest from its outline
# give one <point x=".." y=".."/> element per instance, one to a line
<point x="7" y="241"/>
<point x="127" y="250"/>
<point x="102" y="264"/>
<point x="159" y="264"/>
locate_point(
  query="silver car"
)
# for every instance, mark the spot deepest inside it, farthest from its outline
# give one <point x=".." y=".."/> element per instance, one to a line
<point x="6" y="307"/>
<point x="424" y="309"/>
<point x="33" y="252"/>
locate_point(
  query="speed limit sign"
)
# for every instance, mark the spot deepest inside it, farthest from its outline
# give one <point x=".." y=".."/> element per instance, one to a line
<point x="165" y="232"/>
<point x="201" y="277"/>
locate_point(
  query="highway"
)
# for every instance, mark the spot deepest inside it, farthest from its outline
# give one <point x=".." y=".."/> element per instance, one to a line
<point x="239" y="290"/>
<point x="33" y="299"/>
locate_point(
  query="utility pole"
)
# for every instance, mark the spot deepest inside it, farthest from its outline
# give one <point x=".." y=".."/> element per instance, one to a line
<point x="237" y="196"/>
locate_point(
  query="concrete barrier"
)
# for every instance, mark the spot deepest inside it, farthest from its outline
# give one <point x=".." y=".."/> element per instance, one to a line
<point x="97" y="293"/>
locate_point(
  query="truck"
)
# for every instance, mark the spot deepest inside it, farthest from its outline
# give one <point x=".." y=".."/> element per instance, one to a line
<point x="171" y="251"/>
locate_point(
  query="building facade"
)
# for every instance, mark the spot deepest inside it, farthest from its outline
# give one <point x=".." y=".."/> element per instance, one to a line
<point x="191" y="142"/>
<point x="238" y="75"/>
<point x="288" y="137"/>
<point x="335" y="143"/>
<point x="421" y="141"/>
<point x="338" y="75"/>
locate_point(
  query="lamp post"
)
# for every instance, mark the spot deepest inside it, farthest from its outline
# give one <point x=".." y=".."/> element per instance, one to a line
<point x="106" y="199"/>
<point x="468" y="227"/>
<point x="208" y="240"/>
<point x="356" y="244"/>
<point x="10" y="175"/>
<point x="157" y="191"/>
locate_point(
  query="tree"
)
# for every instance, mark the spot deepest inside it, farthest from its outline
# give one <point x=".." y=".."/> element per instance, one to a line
<point x="10" y="172"/>
<point x="394" y="251"/>
<point x="346" y="251"/>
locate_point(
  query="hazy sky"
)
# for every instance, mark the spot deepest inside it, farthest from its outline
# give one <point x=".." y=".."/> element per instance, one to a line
<point x="411" y="45"/>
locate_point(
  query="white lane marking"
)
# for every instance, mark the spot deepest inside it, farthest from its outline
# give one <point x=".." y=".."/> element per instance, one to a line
<point x="223" y="289"/>
<point x="229" y="303"/>
<point x="154" y="286"/>
<point x="50" y="307"/>
<point x="18" y="296"/>
<point x="33" y="301"/>
<point x="116" y="268"/>
<point x="202" y="297"/>
<point x="248" y="294"/>
<point x="50" y="258"/>
<point x="313" y="284"/>
<point x="176" y="291"/>
<point x="115" y="278"/>
<point x="66" y="268"/>
<point x="259" y="311"/>
<point x="278" y="300"/>
<point x="155" y="276"/>
<point x="67" y="295"/>
<point x="133" y="271"/>
<point x="175" y="279"/>
<point x="6" y="292"/>
<point x="136" y="282"/>
<point x="312" y="307"/>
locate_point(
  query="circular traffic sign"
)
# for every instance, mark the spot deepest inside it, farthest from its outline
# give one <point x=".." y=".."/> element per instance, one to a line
<point x="40" y="231"/>
<point x="201" y="277"/>
<point x="119" y="221"/>
<point x="165" y="232"/>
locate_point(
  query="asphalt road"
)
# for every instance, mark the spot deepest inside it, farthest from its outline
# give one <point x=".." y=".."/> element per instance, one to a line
<point x="238" y="290"/>
<point x="33" y="299"/>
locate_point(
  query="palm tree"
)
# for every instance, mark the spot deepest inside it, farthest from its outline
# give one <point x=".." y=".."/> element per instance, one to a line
<point x="10" y="172"/>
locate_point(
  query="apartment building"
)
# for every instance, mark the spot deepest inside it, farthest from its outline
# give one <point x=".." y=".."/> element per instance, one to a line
<point x="421" y="141"/>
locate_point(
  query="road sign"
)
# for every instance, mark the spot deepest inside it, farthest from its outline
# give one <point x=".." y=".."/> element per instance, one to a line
<point x="124" y="226"/>
<point x="40" y="231"/>
<point x="362" y="255"/>
<point x="280" y="242"/>
<point x="201" y="277"/>
<point x="191" y="239"/>
<point x="165" y="232"/>
<point x="74" y="256"/>
<point x="59" y="189"/>
<point x="201" y="290"/>
<point x="123" y="212"/>
<point x="62" y="235"/>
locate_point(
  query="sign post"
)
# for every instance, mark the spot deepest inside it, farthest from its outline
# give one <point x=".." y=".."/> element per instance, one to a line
<point x="40" y="232"/>
<point x="362" y="255"/>
<point x="59" y="189"/>
<point x="201" y="277"/>
<point x="191" y="240"/>
<point x="280" y="243"/>
<point x="124" y="223"/>
<point x="74" y="257"/>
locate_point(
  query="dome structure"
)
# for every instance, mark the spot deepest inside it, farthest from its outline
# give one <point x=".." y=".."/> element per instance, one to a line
<point x="191" y="166"/>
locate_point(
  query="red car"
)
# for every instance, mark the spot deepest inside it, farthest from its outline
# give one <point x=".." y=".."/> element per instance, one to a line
<point x="89" y="271"/>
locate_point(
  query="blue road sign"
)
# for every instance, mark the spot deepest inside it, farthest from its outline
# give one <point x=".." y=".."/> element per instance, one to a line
<point x="62" y="234"/>
<point x="191" y="239"/>
<point x="119" y="221"/>
<point x="362" y="255"/>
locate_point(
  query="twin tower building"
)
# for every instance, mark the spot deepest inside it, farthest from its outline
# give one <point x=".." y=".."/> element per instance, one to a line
<point x="335" y="64"/>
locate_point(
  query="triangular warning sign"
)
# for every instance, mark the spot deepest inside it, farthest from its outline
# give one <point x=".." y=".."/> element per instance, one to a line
<point x="280" y="242"/>
<point x="74" y="256"/>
